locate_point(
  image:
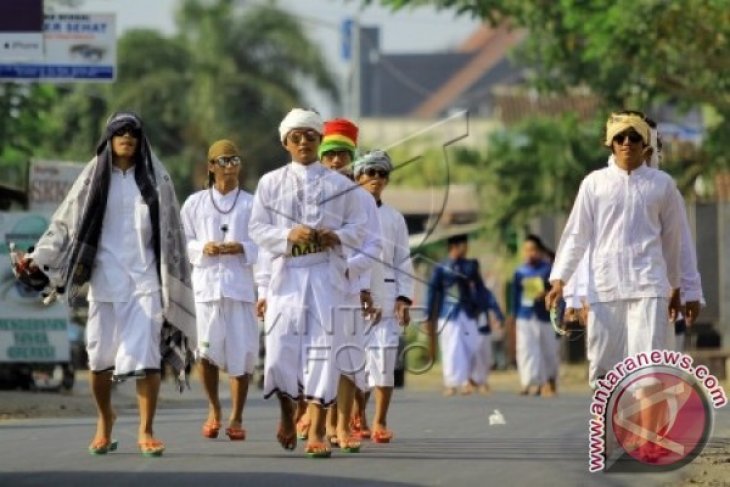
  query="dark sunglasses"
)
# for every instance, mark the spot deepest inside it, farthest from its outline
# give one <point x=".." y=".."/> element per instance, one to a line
<point x="633" y="137"/>
<point x="336" y="153"/>
<point x="381" y="173"/>
<point x="128" y="129"/>
<point x="308" y="135"/>
<point x="227" y="161"/>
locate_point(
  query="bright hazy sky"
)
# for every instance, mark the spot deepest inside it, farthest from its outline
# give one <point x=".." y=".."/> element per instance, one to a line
<point x="419" y="30"/>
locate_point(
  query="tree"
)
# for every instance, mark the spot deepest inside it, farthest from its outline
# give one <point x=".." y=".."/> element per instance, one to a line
<point x="631" y="53"/>
<point x="231" y="72"/>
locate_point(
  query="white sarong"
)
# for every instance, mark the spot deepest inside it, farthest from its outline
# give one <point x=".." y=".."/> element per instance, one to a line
<point x="125" y="336"/>
<point x="300" y="332"/>
<point x="459" y="341"/>
<point x="228" y="335"/>
<point x="619" y="329"/>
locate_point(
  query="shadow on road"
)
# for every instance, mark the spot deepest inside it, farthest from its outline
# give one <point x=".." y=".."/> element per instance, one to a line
<point x="182" y="479"/>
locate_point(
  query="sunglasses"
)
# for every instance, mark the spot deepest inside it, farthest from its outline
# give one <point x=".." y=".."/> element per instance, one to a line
<point x="633" y="137"/>
<point x="381" y="173"/>
<point x="336" y="153"/>
<point x="133" y="132"/>
<point x="309" y="136"/>
<point x="227" y="161"/>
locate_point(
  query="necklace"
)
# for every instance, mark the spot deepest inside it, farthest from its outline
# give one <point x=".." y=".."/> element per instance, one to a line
<point x="223" y="212"/>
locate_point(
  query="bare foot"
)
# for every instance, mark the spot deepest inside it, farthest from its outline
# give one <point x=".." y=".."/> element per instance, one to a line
<point x="450" y="391"/>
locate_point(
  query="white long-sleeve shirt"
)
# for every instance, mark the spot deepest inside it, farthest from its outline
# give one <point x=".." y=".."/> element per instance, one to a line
<point x="631" y="227"/>
<point x="576" y="289"/>
<point x="220" y="276"/>
<point x="125" y="258"/>
<point x="359" y="261"/>
<point x="306" y="195"/>
<point x="392" y="276"/>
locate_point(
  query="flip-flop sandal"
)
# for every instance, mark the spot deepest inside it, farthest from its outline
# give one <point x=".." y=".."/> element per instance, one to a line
<point x="357" y="429"/>
<point x="317" y="449"/>
<point x="236" y="433"/>
<point x="151" y="448"/>
<point x="102" y="448"/>
<point x="303" y="429"/>
<point x="211" y="429"/>
<point x="334" y="440"/>
<point x="382" y="436"/>
<point x="289" y="443"/>
<point x="351" y="445"/>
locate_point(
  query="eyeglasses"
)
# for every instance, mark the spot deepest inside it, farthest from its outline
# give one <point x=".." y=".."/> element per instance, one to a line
<point x="336" y="153"/>
<point x="633" y="137"/>
<point x="227" y="161"/>
<point x="128" y="129"/>
<point x="372" y="172"/>
<point x="308" y="135"/>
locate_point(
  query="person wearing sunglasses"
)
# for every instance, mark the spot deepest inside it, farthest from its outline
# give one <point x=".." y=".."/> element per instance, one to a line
<point x="628" y="218"/>
<point x="304" y="217"/>
<point x="119" y="230"/>
<point x="337" y="152"/>
<point x="392" y="288"/>
<point x="222" y="255"/>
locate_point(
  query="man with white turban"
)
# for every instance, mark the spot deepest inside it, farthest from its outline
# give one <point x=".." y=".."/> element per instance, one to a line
<point x="304" y="216"/>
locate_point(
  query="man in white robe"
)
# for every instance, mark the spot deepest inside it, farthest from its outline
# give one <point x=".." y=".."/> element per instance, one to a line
<point x="304" y="216"/>
<point x="222" y="254"/>
<point x="628" y="218"/>
<point x="392" y="288"/>
<point x="337" y="152"/>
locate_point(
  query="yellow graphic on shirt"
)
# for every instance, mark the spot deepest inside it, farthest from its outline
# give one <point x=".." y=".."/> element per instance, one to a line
<point x="532" y="288"/>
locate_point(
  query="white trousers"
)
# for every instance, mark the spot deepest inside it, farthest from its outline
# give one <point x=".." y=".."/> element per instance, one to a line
<point x="482" y="362"/>
<point x="300" y="335"/>
<point x="228" y="335"/>
<point x="382" y="352"/>
<point x="125" y="337"/>
<point x="537" y="352"/>
<point x="459" y="341"/>
<point x="619" y="329"/>
<point x="351" y="342"/>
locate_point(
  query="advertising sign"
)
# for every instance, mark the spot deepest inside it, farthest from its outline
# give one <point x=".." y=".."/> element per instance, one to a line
<point x="29" y="330"/>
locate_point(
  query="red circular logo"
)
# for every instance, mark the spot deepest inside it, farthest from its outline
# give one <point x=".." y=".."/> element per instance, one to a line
<point x="661" y="418"/>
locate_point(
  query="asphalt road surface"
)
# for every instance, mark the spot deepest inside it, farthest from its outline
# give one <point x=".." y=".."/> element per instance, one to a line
<point x="439" y="441"/>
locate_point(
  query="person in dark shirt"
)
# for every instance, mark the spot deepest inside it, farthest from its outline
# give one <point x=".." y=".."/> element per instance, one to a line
<point x="452" y="308"/>
<point x="482" y="363"/>
<point x="536" y="343"/>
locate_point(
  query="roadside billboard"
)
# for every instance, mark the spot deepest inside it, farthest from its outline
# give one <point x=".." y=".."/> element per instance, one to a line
<point x="49" y="182"/>
<point x="29" y="330"/>
<point x="77" y="47"/>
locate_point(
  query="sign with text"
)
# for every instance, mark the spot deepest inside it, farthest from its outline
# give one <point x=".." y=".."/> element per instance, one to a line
<point x="21" y="30"/>
<point x="29" y="330"/>
<point x="77" y="47"/>
<point x="49" y="182"/>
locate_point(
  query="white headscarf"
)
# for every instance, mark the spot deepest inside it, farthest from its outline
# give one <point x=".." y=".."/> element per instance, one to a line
<point x="300" y="118"/>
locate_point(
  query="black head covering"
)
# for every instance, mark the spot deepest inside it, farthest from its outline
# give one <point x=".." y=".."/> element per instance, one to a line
<point x="457" y="239"/>
<point x="91" y="221"/>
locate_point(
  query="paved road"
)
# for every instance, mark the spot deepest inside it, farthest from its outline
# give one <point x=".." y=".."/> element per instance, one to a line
<point x="439" y="441"/>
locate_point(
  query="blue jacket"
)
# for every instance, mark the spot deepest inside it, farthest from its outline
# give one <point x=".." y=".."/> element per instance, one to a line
<point x="457" y="285"/>
<point x="489" y="303"/>
<point x="529" y="282"/>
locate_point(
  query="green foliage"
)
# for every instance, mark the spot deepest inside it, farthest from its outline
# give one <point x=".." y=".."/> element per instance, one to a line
<point x="631" y="53"/>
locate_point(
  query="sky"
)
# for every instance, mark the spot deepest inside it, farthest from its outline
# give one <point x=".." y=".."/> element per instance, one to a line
<point x="417" y="30"/>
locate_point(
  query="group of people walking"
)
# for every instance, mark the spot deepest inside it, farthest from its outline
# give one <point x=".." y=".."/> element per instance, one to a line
<point x="314" y="252"/>
<point x="318" y="256"/>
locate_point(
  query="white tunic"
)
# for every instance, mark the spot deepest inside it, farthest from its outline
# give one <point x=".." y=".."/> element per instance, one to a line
<point x="220" y="276"/>
<point x="125" y="257"/>
<point x="392" y="276"/>
<point x="306" y="195"/>
<point x="691" y="284"/>
<point x="631" y="227"/>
